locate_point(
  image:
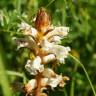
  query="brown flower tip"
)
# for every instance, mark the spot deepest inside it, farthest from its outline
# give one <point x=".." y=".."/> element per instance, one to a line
<point x="42" y="21"/>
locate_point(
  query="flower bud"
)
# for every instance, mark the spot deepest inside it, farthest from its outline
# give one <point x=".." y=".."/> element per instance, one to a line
<point x="35" y="66"/>
<point x="28" y="30"/>
<point x="42" y="21"/>
<point x="49" y="58"/>
<point x="48" y="73"/>
<point x="30" y="85"/>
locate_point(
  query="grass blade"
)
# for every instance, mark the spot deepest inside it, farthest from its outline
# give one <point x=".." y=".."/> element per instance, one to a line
<point x="3" y="77"/>
<point x="85" y="73"/>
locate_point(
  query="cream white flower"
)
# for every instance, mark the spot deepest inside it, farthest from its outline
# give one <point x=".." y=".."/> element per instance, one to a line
<point x="48" y="58"/>
<point x="57" y="31"/>
<point x="32" y="84"/>
<point x="34" y="32"/>
<point x="55" y="39"/>
<point x="59" y="51"/>
<point x="53" y="82"/>
<point x="28" y="30"/>
<point x="35" y="66"/>
<point x="48" y="73"/>
<point x="44" y="82"/>
<point x="23" y="44"/>
<point x="26" y="42"/>
<point x="63" y="81"/>
<point x="24" y="26"/>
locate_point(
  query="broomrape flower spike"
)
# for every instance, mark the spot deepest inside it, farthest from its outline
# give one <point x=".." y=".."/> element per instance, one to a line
<point x="43" y="42"/>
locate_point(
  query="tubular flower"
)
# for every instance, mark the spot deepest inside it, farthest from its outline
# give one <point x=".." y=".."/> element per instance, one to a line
<point x="43" y="40"/>
<point x="33" y="67"/>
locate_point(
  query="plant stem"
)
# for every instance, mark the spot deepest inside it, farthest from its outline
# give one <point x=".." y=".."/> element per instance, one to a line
<point x="50" y="3"/>
<point x="72" y="88"/>
<point x="85" y="73"/>
<point x="38" y="90"/>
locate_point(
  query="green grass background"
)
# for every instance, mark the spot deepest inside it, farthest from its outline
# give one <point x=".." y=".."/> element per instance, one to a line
<point x="79" y="15"/>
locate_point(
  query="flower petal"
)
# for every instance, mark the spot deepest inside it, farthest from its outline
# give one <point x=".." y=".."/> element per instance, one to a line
<point x="49" y="58"/>
<point x="26" y="42"/>
<point x="57" y="31"/>
<point x="30" y="85"/>
<point x="24" y="26"/>
<point x="34" y="67"/>
<point x="59" y="51"/>
<point x="48" y="73"/>
<point x="55" y="39"/>
<point x="44" y="82"/>
<point x="53" y="82"/>
<point x="28" y="30"/>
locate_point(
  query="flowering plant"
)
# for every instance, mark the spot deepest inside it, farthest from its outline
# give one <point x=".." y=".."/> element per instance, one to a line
<point x="44" y="42"/>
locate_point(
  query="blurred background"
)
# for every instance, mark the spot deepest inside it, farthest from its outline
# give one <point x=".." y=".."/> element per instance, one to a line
<point x="79" y="15"/>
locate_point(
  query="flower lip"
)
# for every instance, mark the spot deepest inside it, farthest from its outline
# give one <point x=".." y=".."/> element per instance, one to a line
<point x="55" y="39"/>
<point x="59" y="51"/>
<point x="24" y="26"/>
<point x="49" y="58"/>
<point x="48" y="73"/>
<point x="58" y="31"/>
<point x="30" y="86"/>
<point x="26" y="42"/>
<point x="53" y="82"/>
<point x="28" y="30"/>
<point x="35" y="66"/>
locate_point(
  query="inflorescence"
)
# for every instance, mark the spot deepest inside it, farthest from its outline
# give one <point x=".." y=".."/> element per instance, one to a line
<point x="44" y="43"/>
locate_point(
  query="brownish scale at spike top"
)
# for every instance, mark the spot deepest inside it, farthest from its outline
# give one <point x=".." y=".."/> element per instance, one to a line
<point x="42" y="21"/>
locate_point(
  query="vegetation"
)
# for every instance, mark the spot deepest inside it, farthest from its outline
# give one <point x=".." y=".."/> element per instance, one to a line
<point x="79" y="16"/>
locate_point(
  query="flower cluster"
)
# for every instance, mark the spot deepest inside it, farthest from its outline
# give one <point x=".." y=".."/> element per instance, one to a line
<point x="44" y="42"/>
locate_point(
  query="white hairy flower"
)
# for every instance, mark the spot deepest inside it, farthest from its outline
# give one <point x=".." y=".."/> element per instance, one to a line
<point x="34" y="32"/>
<point x="49" y="58"/>
<point x="58" y="31"/>
<point x="53" y="82"/>
<point x="25" y="42"/>
<point x="35" y="66"/>
<point x="48" y="73"/>
<point x="28" y="30"/>
<point x="55" y="39"/>
<point x="59" y="51"/>
<point x="24" y="26"/>
<point x="32" y="84"/>
<point x="44" y="82"/>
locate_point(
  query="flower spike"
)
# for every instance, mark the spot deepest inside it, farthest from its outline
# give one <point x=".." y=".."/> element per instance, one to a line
<point x="43" y="42"/>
